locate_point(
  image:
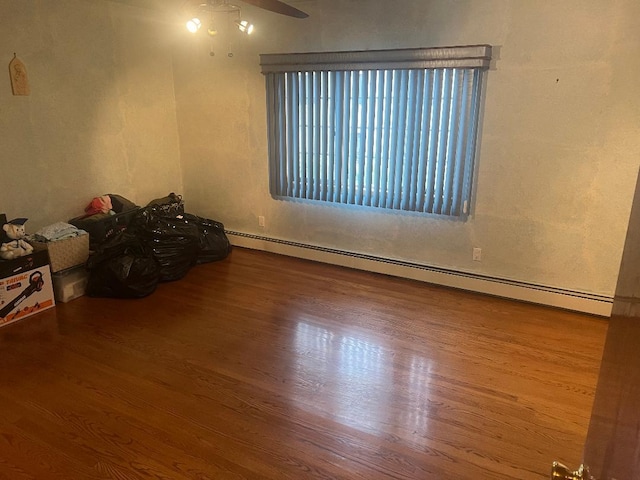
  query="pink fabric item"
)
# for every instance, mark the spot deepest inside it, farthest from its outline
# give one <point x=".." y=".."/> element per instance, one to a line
<point x="99" y="205"/>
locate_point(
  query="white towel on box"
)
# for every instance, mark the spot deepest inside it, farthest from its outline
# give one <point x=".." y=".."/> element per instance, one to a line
<point x="58" y="231"/>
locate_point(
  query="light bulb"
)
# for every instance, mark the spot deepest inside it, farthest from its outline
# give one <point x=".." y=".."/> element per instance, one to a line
<point x="245" y="27"/>
<point x="194" y="25"/>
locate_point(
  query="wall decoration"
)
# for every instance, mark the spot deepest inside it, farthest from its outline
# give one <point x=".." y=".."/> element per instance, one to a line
<point x="19" y="79"/>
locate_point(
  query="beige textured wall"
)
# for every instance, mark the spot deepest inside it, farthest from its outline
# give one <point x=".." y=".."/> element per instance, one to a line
<point x="559" y="151"/>
<point x="101" y="114"/>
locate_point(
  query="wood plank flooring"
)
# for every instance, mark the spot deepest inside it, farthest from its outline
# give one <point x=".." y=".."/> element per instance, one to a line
<point x="267" y="367"/>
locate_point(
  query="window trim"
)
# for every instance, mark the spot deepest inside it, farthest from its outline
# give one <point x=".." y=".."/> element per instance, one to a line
<point x="470" y="56"/>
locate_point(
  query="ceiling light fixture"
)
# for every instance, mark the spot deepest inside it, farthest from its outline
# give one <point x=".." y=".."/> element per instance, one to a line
<point x="217" y="9"/>
<point x="222" y="14"/>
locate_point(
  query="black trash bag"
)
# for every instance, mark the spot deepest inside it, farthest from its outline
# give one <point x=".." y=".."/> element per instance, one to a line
<point x="173" y="241"/>
<point x="120" y="204"/>
<point x="122" y="267"/>
<point x="171" y="205"/>
<point x="213" y="242"/>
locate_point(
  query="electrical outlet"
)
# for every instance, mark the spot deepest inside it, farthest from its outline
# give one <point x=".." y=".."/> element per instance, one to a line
<point x="261" y="221"/>
<point x="477" y="254"/>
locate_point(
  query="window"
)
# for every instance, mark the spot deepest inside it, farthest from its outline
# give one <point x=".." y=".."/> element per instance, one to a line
<point x="391" y="129"/>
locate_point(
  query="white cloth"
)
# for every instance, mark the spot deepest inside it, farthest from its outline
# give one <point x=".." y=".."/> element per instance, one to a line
<point x="58" y="231"/>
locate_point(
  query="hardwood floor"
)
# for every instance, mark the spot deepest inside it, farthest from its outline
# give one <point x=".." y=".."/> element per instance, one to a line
<point x="268" y="367"/>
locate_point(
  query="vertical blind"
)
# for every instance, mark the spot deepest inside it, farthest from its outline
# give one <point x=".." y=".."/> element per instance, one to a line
<point x="396" y="133"/>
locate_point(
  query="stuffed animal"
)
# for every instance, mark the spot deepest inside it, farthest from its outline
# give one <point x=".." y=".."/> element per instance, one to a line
<point x="15" y="246"/>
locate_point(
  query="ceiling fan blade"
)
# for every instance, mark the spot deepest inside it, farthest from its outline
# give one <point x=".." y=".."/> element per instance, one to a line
<point x="278" y="7"/>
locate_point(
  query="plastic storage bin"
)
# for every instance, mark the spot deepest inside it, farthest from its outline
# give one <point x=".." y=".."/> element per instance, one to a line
<point x="70" y="284"/>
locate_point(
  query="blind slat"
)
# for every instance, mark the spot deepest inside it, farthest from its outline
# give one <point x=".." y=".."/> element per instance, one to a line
<point x="363" y="130"/>
<point x="303" y="103"/>
<point x="399" y="158"/>
<point x="352" y="172"/>
<point x="273" y="119"/>
<point x="474" y="110"/>
<point x="346" y="131"/>
<point x="458" y="160"/>
<point x="292" y="137"/>
<point x="408" y="177"/>
<point x="385" y="161"/>
<point x="368" y="180"/>
<point x="425" y="128"/>
<point x="452" y="140"/>
<point x="323" y="134"/>
<point x="418" y="146"/>
<point x="378" y="132"/>
<point x="432" y="154"/>
<point x="310" y="178"/>
<point x="331" y="146"/>
<point x="443" y="138"/>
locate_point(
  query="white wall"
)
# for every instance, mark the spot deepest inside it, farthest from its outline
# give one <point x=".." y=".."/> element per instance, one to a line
<point x="101" y="114"/>
<point x="559" y="150"/>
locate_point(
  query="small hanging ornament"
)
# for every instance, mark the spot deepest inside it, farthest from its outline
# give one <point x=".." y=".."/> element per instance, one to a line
<point x="19" y="79"/>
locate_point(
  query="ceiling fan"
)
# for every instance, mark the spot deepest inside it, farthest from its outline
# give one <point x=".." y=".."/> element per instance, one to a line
<point x="278" y="7"/>
<point x="275" y="6"/>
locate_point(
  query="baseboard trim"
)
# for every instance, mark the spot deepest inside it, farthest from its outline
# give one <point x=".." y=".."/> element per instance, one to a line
<point x="528" y="292"/>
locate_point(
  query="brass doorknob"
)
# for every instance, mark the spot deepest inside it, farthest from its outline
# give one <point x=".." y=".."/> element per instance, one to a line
<point x="560" y="472"/>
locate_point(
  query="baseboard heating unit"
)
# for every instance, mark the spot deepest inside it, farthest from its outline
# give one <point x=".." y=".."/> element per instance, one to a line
<point x="528" y="292"/>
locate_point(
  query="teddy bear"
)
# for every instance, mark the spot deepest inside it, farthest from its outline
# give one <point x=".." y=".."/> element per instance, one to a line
<point x="16" y="246"/>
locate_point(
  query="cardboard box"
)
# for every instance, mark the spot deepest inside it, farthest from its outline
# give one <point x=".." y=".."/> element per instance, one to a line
<point x="65" y="253"/>
<point x="70" y="283"/>
<point x="25" y="287"/>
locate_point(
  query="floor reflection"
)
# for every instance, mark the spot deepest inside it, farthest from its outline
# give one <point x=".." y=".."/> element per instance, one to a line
<point x="42" y="327"/>
<point x="354" y="381"/>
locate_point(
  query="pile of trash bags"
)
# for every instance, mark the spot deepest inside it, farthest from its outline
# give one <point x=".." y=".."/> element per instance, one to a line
<point x="159" y="244"/>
